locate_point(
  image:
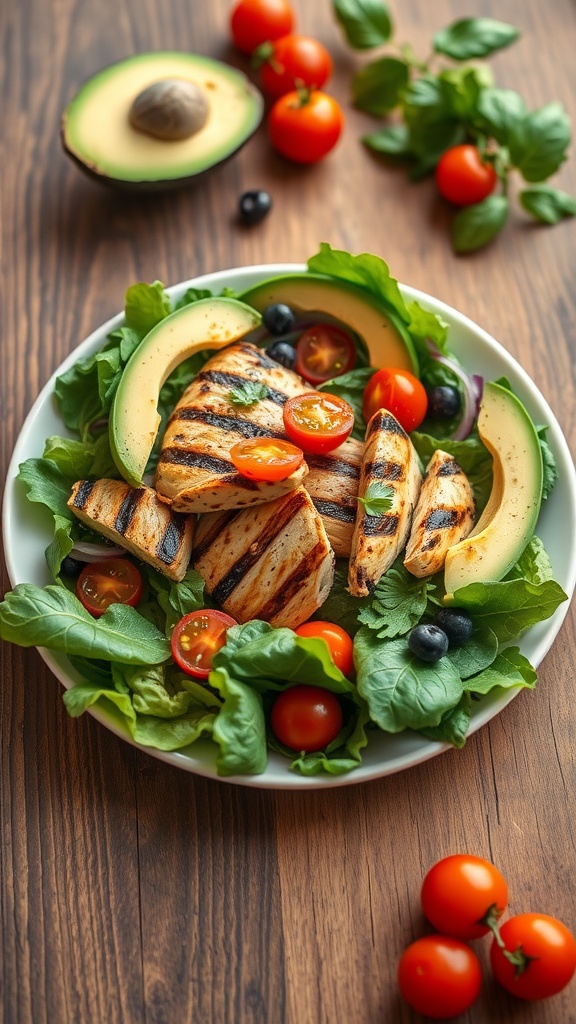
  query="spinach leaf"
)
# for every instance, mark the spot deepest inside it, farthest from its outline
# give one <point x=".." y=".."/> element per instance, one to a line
<point x="454" y="725"/>
<point x="476" y="654"/>
<point x="510" y="606"/>
<point x="240" y="728"/>
<point x="510" y="668"/>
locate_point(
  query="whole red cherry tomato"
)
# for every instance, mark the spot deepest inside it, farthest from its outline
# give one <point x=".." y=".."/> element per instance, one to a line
<point x="293" y="62"/>
<point x="459" y="892"/>
<point x="398" y="391"/>
<point x="253" y="22"/>
<point x="545" y="952"/>
<point x="306" y="718"/>
<point x="304" y="126"/>
<point x="462" y="177"/>
<point x="338" y="640"/>
<point x="439" y="976"/>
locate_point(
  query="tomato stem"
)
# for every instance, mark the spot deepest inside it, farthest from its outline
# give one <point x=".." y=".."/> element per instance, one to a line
<point x="518" y="958"/>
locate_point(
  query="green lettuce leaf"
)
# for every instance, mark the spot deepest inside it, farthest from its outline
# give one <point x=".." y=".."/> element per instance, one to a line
<point x="240" y="728"/>
<point x="146" y="305"/>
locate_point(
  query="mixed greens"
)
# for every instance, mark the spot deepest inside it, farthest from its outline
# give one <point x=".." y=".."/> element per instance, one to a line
<point x="123" y="657"/>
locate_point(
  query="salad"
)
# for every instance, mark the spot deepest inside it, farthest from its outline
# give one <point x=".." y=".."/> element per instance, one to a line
<point x="126" y="653"/>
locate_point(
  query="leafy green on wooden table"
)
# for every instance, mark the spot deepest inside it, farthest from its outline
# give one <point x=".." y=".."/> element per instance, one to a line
<point x="440" y="106"/>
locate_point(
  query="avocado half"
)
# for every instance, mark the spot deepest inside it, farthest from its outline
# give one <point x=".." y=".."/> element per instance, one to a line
<point x="97" y="134"/>
<point x="380" y="328"/>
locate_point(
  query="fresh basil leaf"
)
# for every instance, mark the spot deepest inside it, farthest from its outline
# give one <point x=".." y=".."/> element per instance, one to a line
<point x="547" y="204"/>
<point x="474" y="37"/>
<point x="397" y="604"/>
<point x="377" y="87"/>
<point x="391" y="141"/>
<point x="378" y="499"/>
<point x="365" y="23"/>
<point x="454" y="724"/>
<point x="53" y="617"/>
<point x="350" y="386"/>
<point x="240" y="728"/>
<point x="248" y="393"/>
<point x="539" y="142"/>
<point x="463" y="86"/>
<point x="401" y="691"/>
<point x="509" y="669"/>
<point x="510" y="606"/>
<point x="475" y="226"/>
<point x="499" y="111"/>
<point x="476" y="654"/>
<point x="146" y="305"/>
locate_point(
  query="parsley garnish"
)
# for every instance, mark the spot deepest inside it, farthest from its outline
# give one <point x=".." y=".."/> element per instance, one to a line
<point x="377" y="500"/>
<point x="249" y="393"/>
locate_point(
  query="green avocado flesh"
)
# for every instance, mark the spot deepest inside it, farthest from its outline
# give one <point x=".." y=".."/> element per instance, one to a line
<point x="510" y="517"/>
<point x="386" y="338"/>
<point x="205" y="325"/>
<point x="97" y="134"/>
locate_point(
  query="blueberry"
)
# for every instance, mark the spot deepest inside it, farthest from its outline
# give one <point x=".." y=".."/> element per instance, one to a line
<point x="428" y="642"/>
<point x="443" y="402"/>
<point x="254" y="205"/>
<point x="278" y="319"/>
<point x="457" y="625"/>
<point x="283" y="353"/>
<point x="70" y="566"/>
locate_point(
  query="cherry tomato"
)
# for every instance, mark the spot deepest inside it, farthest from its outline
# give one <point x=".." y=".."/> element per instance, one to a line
<point x="266" y="458"/>
<point x="549" y="949"/>
<point x="339" y="643"/>
<point x="305" y="126"/>
<point x="462" y="178"/>
<point x="324" y="351"/>
<point x="459" y="891"/>
<point x="254" y="22"/>
<point x="439" y="976"/>
<point x="317" y="422"/>
<point x="197" y="637"/>
<point x="294" y="62"/>
<point x="398" y="391"/>
<point x="113" y="581"/>
<point x="306" y="718"/>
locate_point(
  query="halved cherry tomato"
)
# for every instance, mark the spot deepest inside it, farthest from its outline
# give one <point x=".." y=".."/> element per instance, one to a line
<point x="439" y="976"/>
<point x="462" y="177"/>
<point x="305" y="125"/>
<point x="546" y="953"/>
<point x="266" y="458"/>
<point x="112" y="581"/>
<point x="306" y="718"/>
<point x="324" y="351"/>
<point x="317" y="422"/>
<point x="293" y="62"/>
<point x="254" y="22"/>
<point x="459" y="892"/>
<point x="398" y="391"/>
<point x="197" y="637"/>
<point x="339" y="643"/>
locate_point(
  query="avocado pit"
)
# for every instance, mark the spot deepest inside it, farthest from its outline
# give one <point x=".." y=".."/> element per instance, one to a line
<point x="171" y="109"/>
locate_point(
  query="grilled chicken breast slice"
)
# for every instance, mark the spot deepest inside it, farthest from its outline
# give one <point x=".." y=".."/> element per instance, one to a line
<point x="134" y="518"/>
<point x="332" y="483"/>
<point x="389" y="458"/>
<point x="444" y="515"/>
<point x="271" y="562"/>
<point x="195" y="473"/>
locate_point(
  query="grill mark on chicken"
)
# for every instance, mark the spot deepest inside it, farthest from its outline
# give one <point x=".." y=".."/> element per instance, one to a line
<point x="220" y="523"/>
<point x="198" y="460"/>
<point x="229" y="423"/>
<point x="384" y="470"/>
<point x="128" y="510"/>
<point x="169" y="546"/>
<point x="385" y="423"/>
<point x="339" y="467"/>
<point x="235" y="380"/>
<point x="226" y="585"/>
<point x="83" y="493"/>
<point x="444" y="519"/>
<point x="260" y="356"/>
<point x="380" y="526"/>
<point x="290" y="587"/>
<point x="450" y="468"/>
<point x="333" y="510"/>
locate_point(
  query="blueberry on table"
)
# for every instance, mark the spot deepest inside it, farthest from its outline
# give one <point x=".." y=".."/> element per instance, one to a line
<point x="279" y="319"/>
<point x="428" y="642"/>
<point x="457" y="625"/>
<point x="254" y="205"/>
<point x="283" y="353"/>
<point x="443" y="402"/>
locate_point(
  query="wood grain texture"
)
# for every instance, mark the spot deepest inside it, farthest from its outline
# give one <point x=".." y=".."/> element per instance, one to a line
<point x="132" y="893"/>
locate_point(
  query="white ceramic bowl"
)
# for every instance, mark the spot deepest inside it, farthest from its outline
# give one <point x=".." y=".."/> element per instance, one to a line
<point x="27" y="532"/>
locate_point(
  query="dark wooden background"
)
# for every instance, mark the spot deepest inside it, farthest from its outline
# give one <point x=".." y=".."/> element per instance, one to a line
<point x="131" y="891"/>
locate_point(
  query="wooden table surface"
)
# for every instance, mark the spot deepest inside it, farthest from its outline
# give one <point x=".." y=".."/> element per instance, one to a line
<point x="135" y="892"/>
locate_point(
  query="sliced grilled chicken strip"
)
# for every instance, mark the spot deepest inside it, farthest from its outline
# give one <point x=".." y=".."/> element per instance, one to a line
<point x="194" y="472"/>
<point x="272" y="562"/>
<point x="332" y="483"/>
<point x="134" y="518"/>
<point x="389" y="458"/>
<point x="444" y="515"/>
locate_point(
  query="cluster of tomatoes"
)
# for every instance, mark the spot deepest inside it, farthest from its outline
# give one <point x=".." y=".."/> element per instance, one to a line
<point x="304" y="123"/>
<point x="533" y="956"/>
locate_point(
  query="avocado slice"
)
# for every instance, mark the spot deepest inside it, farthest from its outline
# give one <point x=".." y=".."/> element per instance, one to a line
<point x="385" y="336"/>
<point x="134" y="420"/>
<point x="510" y="516"/>
<point x="96" y="130"/>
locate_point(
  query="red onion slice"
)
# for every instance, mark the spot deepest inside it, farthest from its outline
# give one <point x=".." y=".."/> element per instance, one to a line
<point x="472" y="387"/>
<point x="83" y="551"/>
